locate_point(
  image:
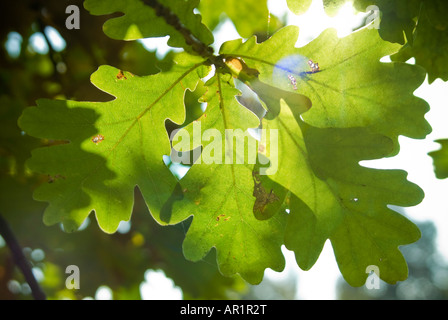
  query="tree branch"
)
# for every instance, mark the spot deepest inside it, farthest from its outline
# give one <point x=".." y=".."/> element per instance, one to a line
<point x="198" y="46"/>
<point x="20" y="260"/>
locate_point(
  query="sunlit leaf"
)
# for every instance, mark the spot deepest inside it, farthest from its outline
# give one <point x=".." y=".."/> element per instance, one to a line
<point x="112" y="146"/>
<point x="335" y="198"/>
<point x="380" y="97"/>
<point x="220" y="195"/>
<point x="140" y="20"/>
<point x="249" y="16"/>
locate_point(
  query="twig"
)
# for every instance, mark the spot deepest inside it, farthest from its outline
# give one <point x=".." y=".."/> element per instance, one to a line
<point x="198" y="46"/>
<point x="20" y="260"/>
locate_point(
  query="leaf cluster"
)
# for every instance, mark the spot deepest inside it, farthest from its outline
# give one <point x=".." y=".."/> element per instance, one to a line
<point x="326" y="107"/>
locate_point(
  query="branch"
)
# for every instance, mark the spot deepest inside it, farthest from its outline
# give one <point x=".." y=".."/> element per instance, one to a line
<point x="170" y="18"/>
<point x="20" y="260"/>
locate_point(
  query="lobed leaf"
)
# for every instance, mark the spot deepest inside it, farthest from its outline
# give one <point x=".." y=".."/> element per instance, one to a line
<point x="112" y="147"/>
<point x="250" y="17"/>
<point x="299" y="7"/>
<point x="430" y="38"/>
<point x="141" y="21"/>
<point x="359" y="108"/>
<point x="332" y="197"/>
<point x="379" y="97"/>
<point x="440" y="159"/>
<point x="220" y="195"/>
<point x="335" y="198"/>
<point x="420" y="26"/>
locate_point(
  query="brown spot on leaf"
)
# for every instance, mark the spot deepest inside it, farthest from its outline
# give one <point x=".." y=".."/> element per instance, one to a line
<point x="98" y="138"/>
<point x="238" y="66"/>
<point x="235" y="63"/>
<point x="262" y="198"/>
<point x="121" y="76"/>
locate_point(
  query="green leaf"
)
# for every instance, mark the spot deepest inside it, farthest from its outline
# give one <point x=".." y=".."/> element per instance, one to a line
<point x="352" y="89"/>
<point x="332" y="6"/>
<point x="418" y="25"/>
<point x="335" y="198"/>
<point x="212" y="12"/>
<point x="16" y="182"/>
<point x="328" y="119"/>
<point x="440" y="159"/>
<point x="354" y="116"/>
<point x="249" y="16"/>
<point x="397" y="18"/>
<point x="430" y="45"/>
<point x="111" y="147"/>
<point x="220" y="195"/>
<point x="141" y="21"/>
<point x="299" y="7"/>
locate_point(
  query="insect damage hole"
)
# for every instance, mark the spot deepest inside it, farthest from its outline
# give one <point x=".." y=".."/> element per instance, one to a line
<point x="314" y="66"/>
<point x="97" y="139"/>
<point x="293" y="81"/>
<point x="222" y="216"/>
<point x="122" y="76"/>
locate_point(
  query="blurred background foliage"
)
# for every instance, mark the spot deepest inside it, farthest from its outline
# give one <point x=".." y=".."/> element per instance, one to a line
<point x="34" y="65"/>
